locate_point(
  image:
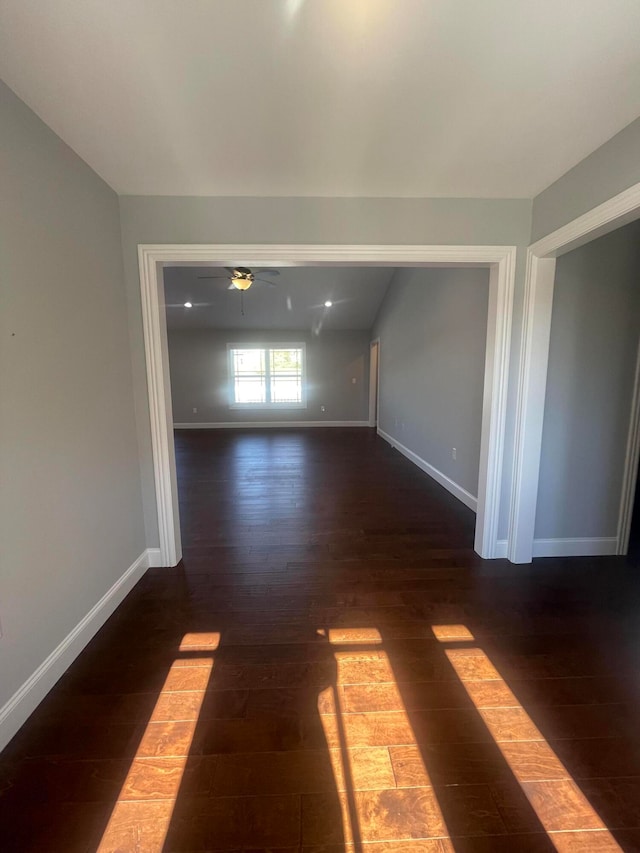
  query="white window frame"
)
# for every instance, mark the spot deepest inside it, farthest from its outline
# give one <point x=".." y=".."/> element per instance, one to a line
<point x="267" y="347"/>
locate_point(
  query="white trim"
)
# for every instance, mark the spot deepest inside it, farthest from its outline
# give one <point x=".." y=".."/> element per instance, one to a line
<point x="494" y="404"/>
<point x="500" y="259"/>
<point x="457" y="491"/>
<point x="27" y="698"/>
<point x="631" y="458"/>
<point x="611" y="214"/>
<point x="156" y="352"/>
<point x="532" y="389"/>
<point x="534" y="357"/>
<point x="267" y="407"/>
<point x="216" y="255"/>
<point x="501" y="549"/>
<point x="581" y="547"/>
<point x="267" y="424"/>
<point x="154" y="558"/>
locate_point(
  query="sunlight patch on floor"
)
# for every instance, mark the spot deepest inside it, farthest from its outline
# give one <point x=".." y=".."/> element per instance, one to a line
<point x="370" y="815"/>
<point x="200" y="642"/>
<point x="352" y="635"/>
<point x="558" y="802"/>
<point x="142" y="814"/>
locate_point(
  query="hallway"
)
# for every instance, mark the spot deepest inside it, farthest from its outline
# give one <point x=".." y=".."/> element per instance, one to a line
<point x="332" y="668"/>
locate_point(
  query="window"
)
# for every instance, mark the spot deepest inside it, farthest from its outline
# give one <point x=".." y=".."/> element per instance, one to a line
<point x="267" y="377"/>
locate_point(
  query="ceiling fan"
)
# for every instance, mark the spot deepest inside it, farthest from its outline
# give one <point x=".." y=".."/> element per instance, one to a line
<point x="242" y="278"/>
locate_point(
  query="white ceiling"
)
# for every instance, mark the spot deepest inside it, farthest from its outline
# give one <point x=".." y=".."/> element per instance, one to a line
<point x="327" y="97"/>
<point x="296" y="301"/>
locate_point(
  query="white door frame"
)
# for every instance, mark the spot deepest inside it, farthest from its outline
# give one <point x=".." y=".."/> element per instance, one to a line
<point x="374" y="384"/>
<point x="630" y="474"/>
<point x="532" y="380"/>
<point x="499" y="259"/>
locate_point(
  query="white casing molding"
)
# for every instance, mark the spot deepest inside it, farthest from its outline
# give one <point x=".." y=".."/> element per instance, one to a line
<point x="534" y="357"/>
<point x="156" y="349"/>
<point x="272" y="424"/>
<point x="617" y="211"/>
<point x="630" y="474"/>
<point x="499" y="259"/>
<point x="494" y="404"/>
<point x="532" y="389"/>
<point x="154" y="558"/>
<point x="27" y="698"/>
<point x="457" y="491"/>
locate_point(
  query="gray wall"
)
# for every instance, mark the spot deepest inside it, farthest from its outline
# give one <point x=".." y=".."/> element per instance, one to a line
<point x="612" y="168"/>
<point x="433" y="329"/>
<point x="594" y="338"/>
<point x="71" y="517"/>
<point x="200" y="376"/>
<point x="312" y="220"/>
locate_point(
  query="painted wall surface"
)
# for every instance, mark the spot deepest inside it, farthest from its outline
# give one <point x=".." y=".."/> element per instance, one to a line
<point x="612" y="168"/>
<point x="313" y="220"/>
<point x="200" y="376"/>
<point x="433" y="330"/>
<point x="594" y="338"/>
<point x="71" y="518"/>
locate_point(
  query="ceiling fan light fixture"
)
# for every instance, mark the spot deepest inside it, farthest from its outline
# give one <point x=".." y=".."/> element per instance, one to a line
<point x="242" y="278"/>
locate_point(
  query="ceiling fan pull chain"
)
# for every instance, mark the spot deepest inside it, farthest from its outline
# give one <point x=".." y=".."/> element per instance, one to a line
<point x="242" y="302"/>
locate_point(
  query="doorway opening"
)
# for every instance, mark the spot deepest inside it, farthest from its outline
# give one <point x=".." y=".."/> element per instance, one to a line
<point x="584" y="484"/>
<point x="615" y="213"/>
<point x="374" y="382"/>
<point x="499" y="260"/>
<point x="633" y="549"/>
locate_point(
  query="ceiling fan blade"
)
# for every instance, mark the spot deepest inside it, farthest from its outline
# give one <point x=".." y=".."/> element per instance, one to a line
<point x="266" y="281"/>
<point x="230" y="270"/>
<point x="266" y="272"/>
<point x="232" y="287"/>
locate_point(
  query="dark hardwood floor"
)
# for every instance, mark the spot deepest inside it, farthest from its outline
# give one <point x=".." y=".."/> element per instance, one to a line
<point x="332" y="668"/>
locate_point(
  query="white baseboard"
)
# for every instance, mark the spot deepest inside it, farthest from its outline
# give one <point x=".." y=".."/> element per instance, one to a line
<point x="457" y="491"/>
<point x="27" y="698"/>
<point x="154" y="560"/>
<point x="279" y="424"/>
<point x="582" y="547"/>
<point x="500" y="551"/>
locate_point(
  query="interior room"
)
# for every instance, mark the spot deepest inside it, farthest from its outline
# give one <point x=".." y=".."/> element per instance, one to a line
<point x="319" y="426"/>
<point x="430" y="383"/>
<point x="328" y="312"/>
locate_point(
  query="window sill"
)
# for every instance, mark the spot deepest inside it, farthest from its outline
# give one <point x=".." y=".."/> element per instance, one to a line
<point x="266" y="407"/>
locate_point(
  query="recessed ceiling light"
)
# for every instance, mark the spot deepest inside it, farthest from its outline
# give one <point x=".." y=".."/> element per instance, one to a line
<point x="188" y="304"/>
<point x="328" y="303"/>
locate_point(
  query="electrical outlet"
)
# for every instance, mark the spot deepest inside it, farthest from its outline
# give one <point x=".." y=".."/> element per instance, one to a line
<point x="195" y="411"/>
<point x="323" y="409"/>
<point x="453" y="452"/>
<point x="353" y="381"/>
